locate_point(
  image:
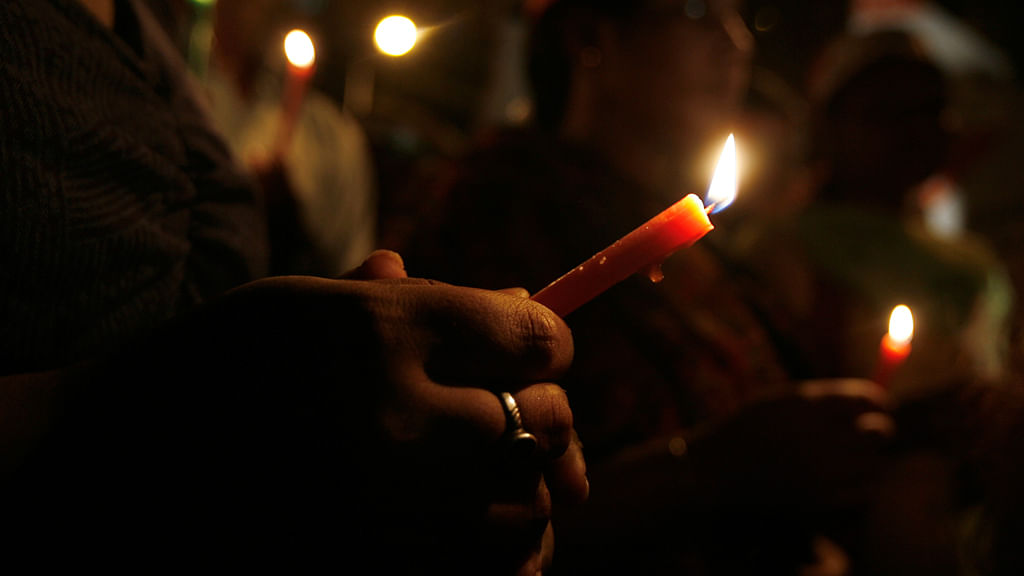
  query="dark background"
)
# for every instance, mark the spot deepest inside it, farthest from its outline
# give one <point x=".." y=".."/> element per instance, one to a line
<point x="428" y="105"/>
<point x="440" y="89"/>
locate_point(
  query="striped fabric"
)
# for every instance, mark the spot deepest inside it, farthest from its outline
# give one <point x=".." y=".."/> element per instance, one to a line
<point x="119" y="206"/>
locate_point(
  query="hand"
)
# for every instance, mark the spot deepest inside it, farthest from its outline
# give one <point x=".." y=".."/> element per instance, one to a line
<point x="975" y="431"/>
<point x="743" y="495"/>
<point x="519" y="513"/>
<point x="816" y="445"/>
<point x="363" y="405"/>
<point x="785" y="470"/>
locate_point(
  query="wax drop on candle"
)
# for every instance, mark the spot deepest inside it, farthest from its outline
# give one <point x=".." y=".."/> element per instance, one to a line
<point x="654" y="273"/>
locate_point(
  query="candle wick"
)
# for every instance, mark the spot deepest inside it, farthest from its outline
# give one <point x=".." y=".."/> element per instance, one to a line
<point x="710" y="207"/>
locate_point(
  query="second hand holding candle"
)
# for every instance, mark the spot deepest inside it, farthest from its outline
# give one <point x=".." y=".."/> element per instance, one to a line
<point x="646" y="247"/>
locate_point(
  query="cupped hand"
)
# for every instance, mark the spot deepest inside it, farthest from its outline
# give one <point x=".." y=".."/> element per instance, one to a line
<point x="816" y="446"/>
<point x="378" y="394"/>
<point x="740" y="496"/>
<point x="786" y="470"/>
<point x="521" y="493"/>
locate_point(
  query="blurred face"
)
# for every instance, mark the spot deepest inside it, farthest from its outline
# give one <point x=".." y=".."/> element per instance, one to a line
<point x="680" y="68"/>
<point x="888" y="131"/>
<point x="244" y="27"/>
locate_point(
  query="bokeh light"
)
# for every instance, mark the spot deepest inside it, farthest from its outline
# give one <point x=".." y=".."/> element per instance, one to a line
<point x="298" y="48"/>
<point x="901" y="324"/>
<point x="395" y="35"/>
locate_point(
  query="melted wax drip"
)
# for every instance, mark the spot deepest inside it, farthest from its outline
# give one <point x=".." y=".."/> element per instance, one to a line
<point x="654" y="273"/>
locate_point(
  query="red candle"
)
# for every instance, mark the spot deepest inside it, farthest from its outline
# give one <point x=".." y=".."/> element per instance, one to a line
<point x="895" y="346"/>
<point x="645" y="248"/>
<point x="301" y="55"/>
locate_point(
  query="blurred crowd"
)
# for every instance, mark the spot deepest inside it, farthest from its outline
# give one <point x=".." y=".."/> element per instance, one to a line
<point x="730" y="414"/>
<point x="863" y="150"/>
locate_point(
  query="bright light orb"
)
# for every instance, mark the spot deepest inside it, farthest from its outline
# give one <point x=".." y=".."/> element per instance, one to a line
<point x="298" y="48"/>
<point x="901" y="324"/>
<point x="395" y="35"/>
<point x="725" y="182"/>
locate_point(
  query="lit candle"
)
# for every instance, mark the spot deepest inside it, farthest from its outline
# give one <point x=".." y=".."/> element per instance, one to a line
<point x="301" y="55"/>
<point x="646" y="247"/>
<point x="895" y="346"/>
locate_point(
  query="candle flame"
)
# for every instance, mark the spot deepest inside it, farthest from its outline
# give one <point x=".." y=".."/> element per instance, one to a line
<point x="723" y="187"/>
<point x="901" y="324"/>
<point x="395" y="35"/>
<point x="298" y="48"/>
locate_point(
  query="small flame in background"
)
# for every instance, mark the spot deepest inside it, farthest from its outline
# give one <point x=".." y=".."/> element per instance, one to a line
<point x="901" y="324"/>
<point x="298" y="48"/>
<point x="725" y="182"/>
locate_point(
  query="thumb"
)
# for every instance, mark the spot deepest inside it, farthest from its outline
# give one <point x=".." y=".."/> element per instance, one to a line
<point x="379" y="265"/>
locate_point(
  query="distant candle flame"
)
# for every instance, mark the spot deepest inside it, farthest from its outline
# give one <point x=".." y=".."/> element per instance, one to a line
<point x="395" y="35"/>
<point x="724" y="183"/>
<point x="901" y="324"/>
<point x="298" y="48"/>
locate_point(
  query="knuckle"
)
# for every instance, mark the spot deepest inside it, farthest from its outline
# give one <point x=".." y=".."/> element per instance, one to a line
<point x="553" y="418"/>
<point x="540" y="334"/>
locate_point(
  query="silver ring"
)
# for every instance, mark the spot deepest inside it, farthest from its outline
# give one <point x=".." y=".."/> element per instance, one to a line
<point x="519" y="440"/>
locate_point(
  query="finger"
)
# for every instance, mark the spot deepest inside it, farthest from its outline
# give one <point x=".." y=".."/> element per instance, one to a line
<point x="547" y="415"/>
<point x="517" y="292"/>
<point x="876" y="423"/>
<point x="488" y="337"/>
<point x="379" y="265"/>
<point x="846" y="387"/>
<point x="517" y="530"/>
<point x="472" y="419"/>
<point x="547" y="550"/>
<point x="468" y="433"/>
<point x="867" y="405"/>
<point x="567" y="476"/>
<point x="522" y="522"/>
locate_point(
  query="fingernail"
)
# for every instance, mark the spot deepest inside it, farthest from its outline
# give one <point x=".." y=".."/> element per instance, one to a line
<point x="518" y="292"/>
<point x="389" y="254"/>
<point x="876" y="423"/>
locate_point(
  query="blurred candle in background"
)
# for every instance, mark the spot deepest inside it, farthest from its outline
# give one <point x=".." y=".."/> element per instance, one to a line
<point x="895" y="346"/>
<point x="301" y="56"/>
